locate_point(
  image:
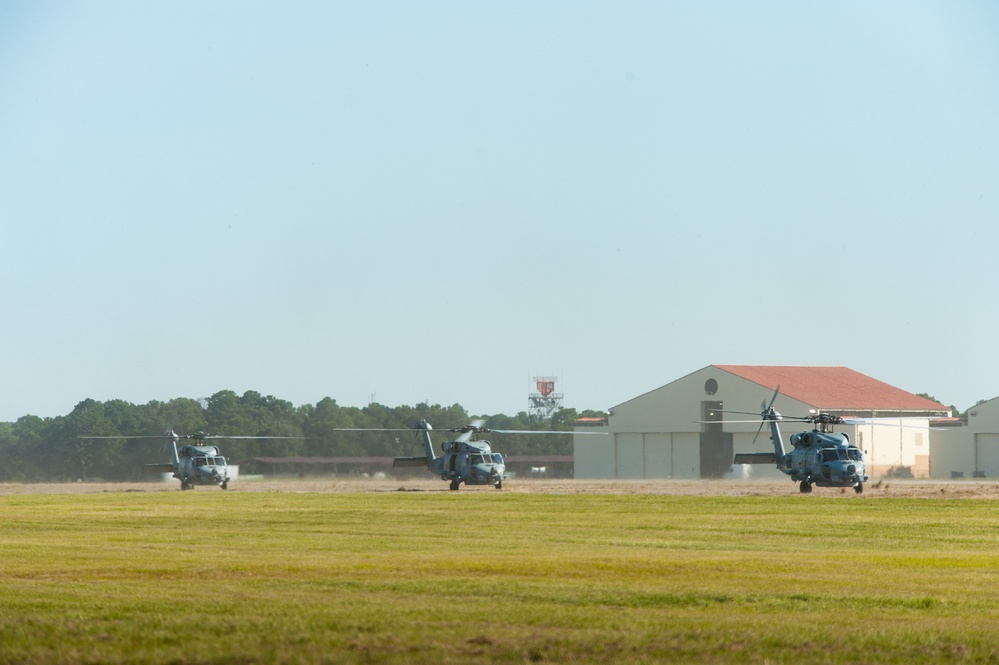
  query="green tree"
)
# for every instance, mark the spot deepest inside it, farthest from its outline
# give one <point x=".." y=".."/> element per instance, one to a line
<point x="23" y="454"/>
<point x="323" y="429"/>
<point x="56" y="449"/>
<point x="92" y="458"/>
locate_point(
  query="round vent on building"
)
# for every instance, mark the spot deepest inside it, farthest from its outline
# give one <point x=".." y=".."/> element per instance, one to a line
<point x="710" y="386"/>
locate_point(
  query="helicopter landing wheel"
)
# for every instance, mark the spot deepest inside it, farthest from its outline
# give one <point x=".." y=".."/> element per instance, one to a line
<point x="455" y="485"/>
<point x="184" y="486"/>
<point x="859" y="489"/>
<point x="499" y="484"/>
<point x="225" y="484"/>
<point x="805" y="487"/>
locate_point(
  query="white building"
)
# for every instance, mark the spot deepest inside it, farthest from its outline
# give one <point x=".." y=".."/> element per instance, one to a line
<point x="685" y="429"/>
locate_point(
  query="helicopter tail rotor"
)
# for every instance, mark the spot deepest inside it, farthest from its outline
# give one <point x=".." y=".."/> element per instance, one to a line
<point x="422" y="429"/>
<point x="770" y="416"/>
<point x="767" y="413"/>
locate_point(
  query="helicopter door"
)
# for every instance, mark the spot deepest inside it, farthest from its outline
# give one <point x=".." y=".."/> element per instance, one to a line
<point x="454" y="458"/>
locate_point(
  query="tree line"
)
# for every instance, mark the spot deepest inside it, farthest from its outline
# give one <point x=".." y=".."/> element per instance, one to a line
<point x="34" y="449"/>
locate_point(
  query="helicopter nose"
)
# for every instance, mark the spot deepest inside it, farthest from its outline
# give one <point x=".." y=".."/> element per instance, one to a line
<point x="207" y="473"/>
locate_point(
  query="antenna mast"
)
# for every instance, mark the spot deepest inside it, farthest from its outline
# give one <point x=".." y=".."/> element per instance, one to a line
<point x="544" y="403"/>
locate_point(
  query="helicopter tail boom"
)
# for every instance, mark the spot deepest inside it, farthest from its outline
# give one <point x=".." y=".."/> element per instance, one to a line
<point x="428" y="444"/>
<point x="409" y="461"/>
<point x="172" y="436"/>
<point x="755" y="458"/>
<point x="158" y="468"/>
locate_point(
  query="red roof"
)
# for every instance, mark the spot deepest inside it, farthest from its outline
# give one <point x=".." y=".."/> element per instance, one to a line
<point x="833" y="388"/>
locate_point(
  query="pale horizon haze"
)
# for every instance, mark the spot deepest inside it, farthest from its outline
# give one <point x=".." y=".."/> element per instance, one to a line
<point x="437" y="201"/>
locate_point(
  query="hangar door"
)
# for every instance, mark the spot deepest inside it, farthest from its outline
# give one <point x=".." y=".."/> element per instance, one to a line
<point x="648" y="455"/>
<point x="629" y="449"/>
<point x="987" y="454"/>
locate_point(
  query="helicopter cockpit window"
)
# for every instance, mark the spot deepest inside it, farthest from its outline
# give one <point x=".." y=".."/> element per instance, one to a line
<point x="475" y="459"/>
<point x="853" y="453"/>
<point x="829" y="455"/>
<point x="497" y="458"/>
<point x="219" y="461"/>
<point x="199" y="461"/>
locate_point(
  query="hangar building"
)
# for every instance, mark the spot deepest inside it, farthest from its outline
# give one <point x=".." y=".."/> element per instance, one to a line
<point x="971" y="450"/>
<point x="686" y="429"/>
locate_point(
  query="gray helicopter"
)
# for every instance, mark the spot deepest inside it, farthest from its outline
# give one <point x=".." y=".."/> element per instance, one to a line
<point x="464" y="459"/>
<point x="200" y="464"/>
<point x="195" y="464"/>
<point x="819" y="457"/>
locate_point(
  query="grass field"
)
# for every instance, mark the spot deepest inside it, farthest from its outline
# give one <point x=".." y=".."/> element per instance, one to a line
<point x="466" y="577"/>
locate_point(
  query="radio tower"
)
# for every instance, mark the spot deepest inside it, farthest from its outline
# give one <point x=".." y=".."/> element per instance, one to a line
<point x="544" y="403"/>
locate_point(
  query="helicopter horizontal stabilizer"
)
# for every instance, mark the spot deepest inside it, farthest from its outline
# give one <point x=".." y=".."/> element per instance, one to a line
<point x="755" y="458"/>
<point x="409" y="461"/>
<point x="157" y="468"/>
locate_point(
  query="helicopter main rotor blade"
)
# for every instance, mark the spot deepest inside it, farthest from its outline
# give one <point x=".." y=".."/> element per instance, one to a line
<point x="196" y="437"/>
<point x="537" y="431"/>
<point x="891" y="422"/>
<point x="466" y="429"/>
<point x="377" y="429"/>
<point x="222" y="436"/>
<point x="126" y="436"/>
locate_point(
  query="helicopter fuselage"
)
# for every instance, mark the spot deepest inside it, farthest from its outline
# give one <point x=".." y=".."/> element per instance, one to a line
<point x="201" y="465"/>
<point x="469" y="462"/>
<point x="465" y="459"/>
<point x="826" y="459"/>
<point x="819" y="457"/>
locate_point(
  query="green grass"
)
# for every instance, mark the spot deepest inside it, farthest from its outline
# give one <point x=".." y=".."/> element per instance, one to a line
<point x="466" y="577"/>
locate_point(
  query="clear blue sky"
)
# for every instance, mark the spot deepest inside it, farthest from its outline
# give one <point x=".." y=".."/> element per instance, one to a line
<point x="438" y="200"/>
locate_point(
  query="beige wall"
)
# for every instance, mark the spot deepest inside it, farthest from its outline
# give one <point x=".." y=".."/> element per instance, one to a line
<point x="637" y="455"/>
<point x="984" y="417"/>
<point x="676" y="407"/>
<point x="659" y="455"/>
<point x="987" y="454"/>
<point x="950" y="451"/>
<point x="970" y="449"/>
<point x="593" y="455"/>
<point x="893" y="443"/>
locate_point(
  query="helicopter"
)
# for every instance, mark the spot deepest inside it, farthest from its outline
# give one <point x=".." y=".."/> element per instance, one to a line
<point x="819" y="457"/>
<point x="465" y="459"/>
<point x="198" y="464"/>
